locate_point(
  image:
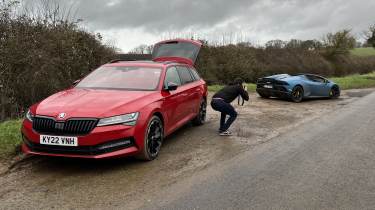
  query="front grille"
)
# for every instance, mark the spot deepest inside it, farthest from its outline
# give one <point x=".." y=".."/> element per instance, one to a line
<point x="47" y="125"/>
<point x="107" y="147"/>
<point x="280" y="88"/>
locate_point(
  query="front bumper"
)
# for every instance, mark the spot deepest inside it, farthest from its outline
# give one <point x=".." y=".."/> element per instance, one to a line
<point x="102" y="142"/>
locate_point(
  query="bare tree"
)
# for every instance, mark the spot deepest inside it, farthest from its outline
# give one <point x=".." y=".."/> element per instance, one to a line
<point x="142" y="49"/>
<point x="275" y="44"/>
<point x="339" y="43"/>
<point x="370" y="36"/>
<point x="42" y="43"/>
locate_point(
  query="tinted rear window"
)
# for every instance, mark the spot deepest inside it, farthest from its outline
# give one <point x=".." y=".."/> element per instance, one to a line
<point x="195" y="74"/>
<point x="176" y="49"/>
<point x="185" y="75"/>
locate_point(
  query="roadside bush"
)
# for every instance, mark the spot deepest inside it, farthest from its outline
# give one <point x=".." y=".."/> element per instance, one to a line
<point x="221" y="64"/>
<point x="44" y="52"/>
<point x="338" y="44"/>
<point x="41" y="55"/>
<point x="224" y="63"/>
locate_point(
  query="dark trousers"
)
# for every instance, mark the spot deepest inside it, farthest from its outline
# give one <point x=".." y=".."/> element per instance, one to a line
<point x="225" y="109"/>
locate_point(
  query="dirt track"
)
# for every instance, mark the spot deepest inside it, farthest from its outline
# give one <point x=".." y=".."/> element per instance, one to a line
<point x="126" y="183"/>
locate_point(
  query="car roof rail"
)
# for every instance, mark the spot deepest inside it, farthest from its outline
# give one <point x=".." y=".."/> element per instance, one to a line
<point x="130" y="61"/>
<point x="169" y="62"/>
<point x="119" y="60"/>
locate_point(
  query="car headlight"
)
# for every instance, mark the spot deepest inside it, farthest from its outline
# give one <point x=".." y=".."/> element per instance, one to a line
<point x="29" y="115"/>
<point x="127" y="119"/>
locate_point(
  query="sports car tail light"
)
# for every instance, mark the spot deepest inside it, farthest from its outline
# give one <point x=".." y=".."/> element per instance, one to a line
<point x="271" y="81"/>
<point x="69" y="127"/>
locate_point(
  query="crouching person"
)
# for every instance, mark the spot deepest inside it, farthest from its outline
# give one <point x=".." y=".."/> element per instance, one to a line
<point x="221" y="103"/>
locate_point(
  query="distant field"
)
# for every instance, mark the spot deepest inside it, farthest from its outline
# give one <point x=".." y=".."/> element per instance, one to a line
<point x="367" y="51"/>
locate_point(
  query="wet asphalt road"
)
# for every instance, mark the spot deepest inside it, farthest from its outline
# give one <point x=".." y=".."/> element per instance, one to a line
<point x="326" y="164"/>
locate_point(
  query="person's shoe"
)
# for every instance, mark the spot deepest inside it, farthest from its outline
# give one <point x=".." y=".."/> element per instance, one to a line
<point x="225" y="133"/>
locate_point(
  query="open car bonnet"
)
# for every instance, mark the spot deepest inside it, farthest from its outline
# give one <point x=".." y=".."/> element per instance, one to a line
<point x="177" y="50"/>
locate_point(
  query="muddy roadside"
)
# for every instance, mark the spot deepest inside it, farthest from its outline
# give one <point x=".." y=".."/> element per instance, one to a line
<point x="38" y="182"/>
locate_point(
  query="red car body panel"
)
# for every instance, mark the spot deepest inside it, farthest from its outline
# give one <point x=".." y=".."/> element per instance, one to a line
<point x="174" y="107"/>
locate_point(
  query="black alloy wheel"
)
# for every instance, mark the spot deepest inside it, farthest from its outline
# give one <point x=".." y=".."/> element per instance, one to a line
<point x="153" y="139"/>
<point x="297" y="94"/>
<point x="264" y="95"/>
<point x="200" y="119"/>
<point x="334" y="92"/>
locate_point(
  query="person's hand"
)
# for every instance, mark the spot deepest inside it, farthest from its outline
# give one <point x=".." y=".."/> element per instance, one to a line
<point x="245" y="87"/>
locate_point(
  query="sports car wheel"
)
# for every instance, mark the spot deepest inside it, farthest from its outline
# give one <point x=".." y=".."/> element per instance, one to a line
<point x="297" y="94"/>
<point x="335" y="92"/>
<point x="264" y="95"/>
<point x="200" y="119"/>
<point x="153" y="139"/>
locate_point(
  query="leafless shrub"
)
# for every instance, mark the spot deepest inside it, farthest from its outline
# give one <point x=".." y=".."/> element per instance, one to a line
<point x="42" y="51"/>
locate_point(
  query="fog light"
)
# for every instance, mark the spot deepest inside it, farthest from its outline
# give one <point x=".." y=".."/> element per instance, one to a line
<point x="115" y="144"/>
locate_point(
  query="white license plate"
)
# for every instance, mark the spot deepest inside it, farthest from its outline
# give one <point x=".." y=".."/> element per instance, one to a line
<point x="59" y="140"/>
<point x="268" y="86"/>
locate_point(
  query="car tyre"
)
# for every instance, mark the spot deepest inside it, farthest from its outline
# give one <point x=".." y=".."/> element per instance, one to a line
<point x="200" y="119"/>
<point x="264" y="95"/>
<point x="297" y="94"/>
<point x="153" y="139"/>
<point x="334" y="93"/>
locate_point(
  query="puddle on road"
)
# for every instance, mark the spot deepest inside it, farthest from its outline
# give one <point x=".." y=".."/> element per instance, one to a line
<point x="358" y="94"/>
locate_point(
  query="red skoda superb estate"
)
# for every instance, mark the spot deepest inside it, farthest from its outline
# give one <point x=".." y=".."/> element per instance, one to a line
<point x="121" y="108"/>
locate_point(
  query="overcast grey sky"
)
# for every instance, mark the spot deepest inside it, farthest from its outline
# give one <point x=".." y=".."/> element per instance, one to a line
<point x="129" y="23"/>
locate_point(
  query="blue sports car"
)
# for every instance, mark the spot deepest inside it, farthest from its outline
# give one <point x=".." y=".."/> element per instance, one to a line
<point x="297" y="87"/>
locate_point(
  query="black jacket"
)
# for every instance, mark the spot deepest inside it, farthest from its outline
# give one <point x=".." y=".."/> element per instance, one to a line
<point x="231" y="92"/>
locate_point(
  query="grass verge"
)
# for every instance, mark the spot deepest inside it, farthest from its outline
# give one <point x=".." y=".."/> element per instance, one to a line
<point x="355" y="81"/>
<point x="10" y="137"/>
<point x="214" y="88"/>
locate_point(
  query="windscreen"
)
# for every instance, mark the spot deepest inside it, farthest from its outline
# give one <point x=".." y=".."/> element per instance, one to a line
<point x="176" y="49"/>
<point x="123" y="78"/>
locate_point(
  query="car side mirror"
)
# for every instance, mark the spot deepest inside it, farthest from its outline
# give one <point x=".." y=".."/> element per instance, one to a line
<point x="76" y="82"/>
<point x="171" y="86"/>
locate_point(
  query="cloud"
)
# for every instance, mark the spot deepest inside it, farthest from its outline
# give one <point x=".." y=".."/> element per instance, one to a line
<point x="159" y="15"/>
<point x="257" y="20"/>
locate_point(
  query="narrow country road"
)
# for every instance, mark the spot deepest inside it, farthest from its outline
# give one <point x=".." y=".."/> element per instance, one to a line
<point x="326" y="164"/>
<point x="281" y="155"/>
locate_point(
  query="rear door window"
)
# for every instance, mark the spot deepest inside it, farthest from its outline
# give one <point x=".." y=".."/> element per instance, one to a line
<point x="195" y="74"/>
<point x="315" y="78"/>
<point x="172" y="76"/>
<point x="185" y="75"/>
<point x="320" y="79"/>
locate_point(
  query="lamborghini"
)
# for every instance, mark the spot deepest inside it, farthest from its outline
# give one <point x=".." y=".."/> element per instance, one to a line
<point x="297" y="87"/>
